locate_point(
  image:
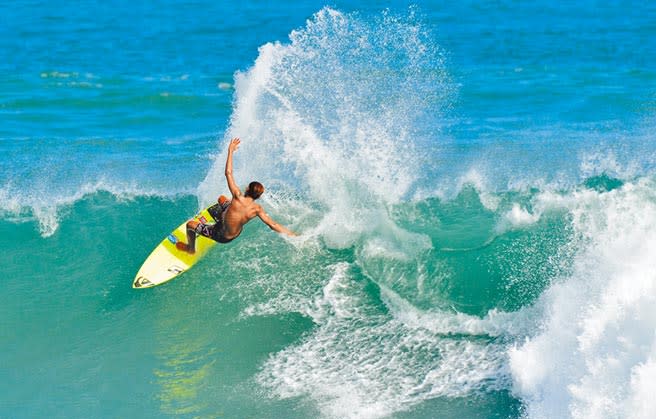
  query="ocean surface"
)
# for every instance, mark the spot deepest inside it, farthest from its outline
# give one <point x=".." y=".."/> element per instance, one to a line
<point x="475" y="184"/>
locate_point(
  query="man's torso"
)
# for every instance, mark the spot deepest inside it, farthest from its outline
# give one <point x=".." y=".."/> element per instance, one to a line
<point x="240" y="211"/>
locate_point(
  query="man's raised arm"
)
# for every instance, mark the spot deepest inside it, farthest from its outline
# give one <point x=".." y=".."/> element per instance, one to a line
<point x="234" y="189"/>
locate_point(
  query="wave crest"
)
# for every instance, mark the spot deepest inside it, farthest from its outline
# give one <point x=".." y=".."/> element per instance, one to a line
<point x="47" y="209"/>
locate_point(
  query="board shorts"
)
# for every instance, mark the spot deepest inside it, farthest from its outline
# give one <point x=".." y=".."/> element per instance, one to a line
<point x="211" y="231"/>
<point x="215" y="231"/>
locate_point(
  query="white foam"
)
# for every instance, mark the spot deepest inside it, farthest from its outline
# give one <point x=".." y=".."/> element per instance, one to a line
<point x="594" y="355"/>
<point x="331" y="301"/>
<point x="496" y="323"/>
<point x="517" y="217"/>
<point x="641" y="403"/>
<point x="362" y="363"/>
<point x="474" y="178"/>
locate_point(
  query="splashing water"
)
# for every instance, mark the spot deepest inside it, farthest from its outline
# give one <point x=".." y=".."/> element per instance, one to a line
<point x="337" y="113"/>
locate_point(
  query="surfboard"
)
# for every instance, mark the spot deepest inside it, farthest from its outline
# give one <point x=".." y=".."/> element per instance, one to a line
<point x="167" y="262"/>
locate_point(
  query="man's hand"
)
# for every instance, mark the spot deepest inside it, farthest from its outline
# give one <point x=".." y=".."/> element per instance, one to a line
<point x="234" y="145"/>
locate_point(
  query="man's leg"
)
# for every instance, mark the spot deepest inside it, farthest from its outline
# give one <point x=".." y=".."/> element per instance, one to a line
<point x="190" y="247"/>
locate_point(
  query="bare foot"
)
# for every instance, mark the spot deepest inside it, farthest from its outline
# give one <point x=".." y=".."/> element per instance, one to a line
<point x="184" y="247"/>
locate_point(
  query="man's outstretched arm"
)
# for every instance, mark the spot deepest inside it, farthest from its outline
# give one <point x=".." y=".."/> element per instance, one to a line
<point x="272" y="224"/>
<point x="234" y="189"/>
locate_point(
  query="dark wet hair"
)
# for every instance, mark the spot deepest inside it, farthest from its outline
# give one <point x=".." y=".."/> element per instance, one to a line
<point x="254" y="190"/>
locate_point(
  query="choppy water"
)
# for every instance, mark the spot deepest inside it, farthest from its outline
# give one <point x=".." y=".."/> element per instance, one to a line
<point x="475" y="186"/>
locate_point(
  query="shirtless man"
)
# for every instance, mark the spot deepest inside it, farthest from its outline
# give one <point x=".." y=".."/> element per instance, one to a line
<point x="236" y="213"/>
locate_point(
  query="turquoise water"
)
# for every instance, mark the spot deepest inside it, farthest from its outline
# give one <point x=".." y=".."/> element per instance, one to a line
<point x="474" y="185"/>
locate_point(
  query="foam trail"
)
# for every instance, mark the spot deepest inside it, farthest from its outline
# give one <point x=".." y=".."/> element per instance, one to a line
<point x="361" y="363"/>
<point x="594" y="357"/>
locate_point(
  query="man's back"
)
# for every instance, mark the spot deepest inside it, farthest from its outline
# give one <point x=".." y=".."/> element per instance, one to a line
<point x="242" y="209"/>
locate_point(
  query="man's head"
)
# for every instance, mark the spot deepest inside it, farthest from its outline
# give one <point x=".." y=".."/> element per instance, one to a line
<point x="254" y="190"/>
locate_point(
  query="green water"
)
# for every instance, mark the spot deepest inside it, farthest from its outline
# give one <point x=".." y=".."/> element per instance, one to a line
<point x="196" y="346"/>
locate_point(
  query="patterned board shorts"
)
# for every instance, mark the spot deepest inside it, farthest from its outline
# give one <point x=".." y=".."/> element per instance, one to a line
<point x="215" y="231"/>
<point x="207" y="230"/>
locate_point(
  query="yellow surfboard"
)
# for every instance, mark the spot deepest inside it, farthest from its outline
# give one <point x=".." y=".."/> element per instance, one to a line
<point x="167" y="262"/>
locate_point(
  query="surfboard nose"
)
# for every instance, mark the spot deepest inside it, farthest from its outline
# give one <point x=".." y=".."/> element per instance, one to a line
<point x="142" y="282"/>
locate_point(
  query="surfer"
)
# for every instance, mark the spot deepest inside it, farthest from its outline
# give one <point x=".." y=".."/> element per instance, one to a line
<point x="234" y="213"/>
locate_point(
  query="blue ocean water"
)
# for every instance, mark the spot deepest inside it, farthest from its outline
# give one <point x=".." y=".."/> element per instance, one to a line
<point x="474" y="183"/>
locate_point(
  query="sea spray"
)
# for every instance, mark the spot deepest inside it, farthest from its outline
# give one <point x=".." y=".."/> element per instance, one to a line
<point x="331" y="114"/>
